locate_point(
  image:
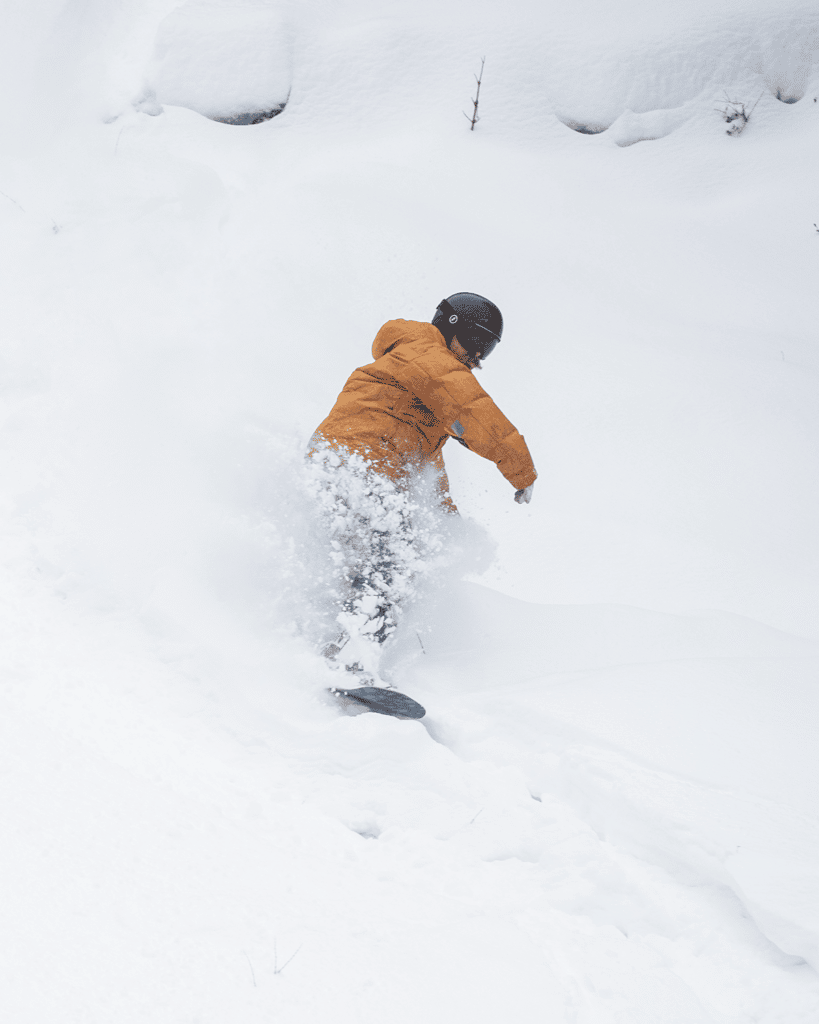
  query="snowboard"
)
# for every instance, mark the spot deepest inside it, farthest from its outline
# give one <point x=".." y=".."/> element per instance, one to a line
<point x="379" y="700"/>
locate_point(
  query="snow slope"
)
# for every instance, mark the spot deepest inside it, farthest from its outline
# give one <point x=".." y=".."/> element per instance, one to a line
<point x="610" y="811"/>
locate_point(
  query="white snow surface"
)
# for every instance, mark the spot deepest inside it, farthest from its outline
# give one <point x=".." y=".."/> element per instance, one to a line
<point x="609" y="813"/>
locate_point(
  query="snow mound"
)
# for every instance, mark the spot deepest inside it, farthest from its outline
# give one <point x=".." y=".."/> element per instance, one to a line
<point x="643" y="81"/>
<point x="229" y="62"/>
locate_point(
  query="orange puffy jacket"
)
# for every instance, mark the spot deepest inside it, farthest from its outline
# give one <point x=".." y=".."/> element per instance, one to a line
<point x="399" y="411"/>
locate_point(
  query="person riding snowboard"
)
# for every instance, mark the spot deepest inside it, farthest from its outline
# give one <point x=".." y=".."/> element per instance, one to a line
<point x="386" y="431"/>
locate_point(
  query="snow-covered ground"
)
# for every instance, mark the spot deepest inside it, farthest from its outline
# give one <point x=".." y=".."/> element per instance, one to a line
<point x="611" y="810"/>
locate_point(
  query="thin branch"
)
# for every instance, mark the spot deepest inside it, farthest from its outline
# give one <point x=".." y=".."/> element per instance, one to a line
<point x="19" y="207"/>
<point x="474" y="119"/>
<point x="276" y="968"/>
<point x="753" y="108"/>
<point x="736" y="115"/>
<point x="250" y="965"/>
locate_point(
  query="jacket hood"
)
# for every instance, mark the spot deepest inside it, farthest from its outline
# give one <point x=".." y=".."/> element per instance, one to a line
<point x="400" y="332"/>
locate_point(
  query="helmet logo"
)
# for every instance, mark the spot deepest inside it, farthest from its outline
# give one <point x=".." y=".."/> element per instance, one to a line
<point x="453" y="319"/>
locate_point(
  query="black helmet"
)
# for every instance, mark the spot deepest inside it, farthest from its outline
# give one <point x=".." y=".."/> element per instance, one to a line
<point x="475" y="320"/>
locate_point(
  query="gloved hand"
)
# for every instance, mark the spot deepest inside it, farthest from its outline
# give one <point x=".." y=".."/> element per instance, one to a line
<point x="525" y="496"/>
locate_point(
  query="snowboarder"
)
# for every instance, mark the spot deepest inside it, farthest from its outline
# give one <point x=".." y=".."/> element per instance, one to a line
<point x="387" y="428"/>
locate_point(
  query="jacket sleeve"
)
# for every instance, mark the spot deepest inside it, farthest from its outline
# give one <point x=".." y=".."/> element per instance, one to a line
<point x="450" y="390"/>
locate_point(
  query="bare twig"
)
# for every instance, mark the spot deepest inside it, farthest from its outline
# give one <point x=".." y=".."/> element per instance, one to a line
<point x="474" y="119"/>
<point x="476" y="817"/>
<point x="19" y="207"/>
<point x="420" y="641"/>
<point x="252" y="972"/>
<point x="736" y="115"/>
<point x="753" y="108"/>
<point x="276" y="968"/>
